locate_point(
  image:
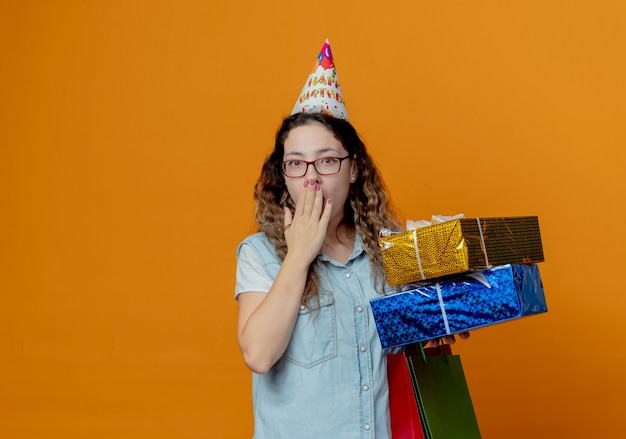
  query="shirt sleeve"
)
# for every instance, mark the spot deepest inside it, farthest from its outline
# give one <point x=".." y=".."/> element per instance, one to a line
<point x="250" y="273"/>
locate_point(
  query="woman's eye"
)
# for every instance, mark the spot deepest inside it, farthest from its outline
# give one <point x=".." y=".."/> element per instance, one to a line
<point x="294" y="163"/>
<point x="328" y="160"/>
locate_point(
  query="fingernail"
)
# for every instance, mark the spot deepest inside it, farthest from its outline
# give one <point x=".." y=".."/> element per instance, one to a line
<point x="306" y="183"/>
<point x="329" y="201"/>
<point x="317" y="186"/>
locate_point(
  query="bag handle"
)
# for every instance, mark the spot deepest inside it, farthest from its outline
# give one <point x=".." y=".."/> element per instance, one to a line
<point x="441" y="346"/>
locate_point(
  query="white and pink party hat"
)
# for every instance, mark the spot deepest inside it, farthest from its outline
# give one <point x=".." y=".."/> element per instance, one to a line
<point x="321" y="92"/>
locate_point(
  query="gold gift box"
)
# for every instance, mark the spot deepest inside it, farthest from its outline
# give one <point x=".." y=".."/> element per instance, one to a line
<point x="460" y="245"/>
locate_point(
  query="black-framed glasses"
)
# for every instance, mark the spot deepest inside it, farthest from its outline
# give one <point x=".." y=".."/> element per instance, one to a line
<point x="323" y="166"/>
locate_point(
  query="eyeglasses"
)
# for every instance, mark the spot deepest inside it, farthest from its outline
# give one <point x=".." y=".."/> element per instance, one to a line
<point x="323" y="166"/>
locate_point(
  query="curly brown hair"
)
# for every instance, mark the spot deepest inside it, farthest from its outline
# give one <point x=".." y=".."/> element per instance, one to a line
<point x="367" y="209"/>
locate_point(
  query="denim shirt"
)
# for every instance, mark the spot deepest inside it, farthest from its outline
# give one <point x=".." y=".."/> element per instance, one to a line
<point x="331" y="382"/>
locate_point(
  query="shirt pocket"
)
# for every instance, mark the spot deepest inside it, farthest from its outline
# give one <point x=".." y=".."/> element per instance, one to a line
<point x="314" y="338"/>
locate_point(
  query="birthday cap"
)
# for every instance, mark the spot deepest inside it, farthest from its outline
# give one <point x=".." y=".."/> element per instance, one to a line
<point x="321" y="92"/>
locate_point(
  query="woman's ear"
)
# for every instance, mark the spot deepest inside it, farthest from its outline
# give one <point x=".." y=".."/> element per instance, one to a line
<point x="354" y="171"/>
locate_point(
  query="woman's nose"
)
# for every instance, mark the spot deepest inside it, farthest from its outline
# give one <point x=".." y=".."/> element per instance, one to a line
<point x="311" y="174"/>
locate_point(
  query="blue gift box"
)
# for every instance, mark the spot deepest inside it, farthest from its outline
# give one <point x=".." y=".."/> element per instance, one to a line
<point x="459" y="304"/>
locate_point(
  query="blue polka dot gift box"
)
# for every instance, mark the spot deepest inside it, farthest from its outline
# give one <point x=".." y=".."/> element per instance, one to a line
<point x="457" y="304"/>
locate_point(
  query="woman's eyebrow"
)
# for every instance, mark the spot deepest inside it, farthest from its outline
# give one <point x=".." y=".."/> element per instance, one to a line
<point x="319" y="151"/>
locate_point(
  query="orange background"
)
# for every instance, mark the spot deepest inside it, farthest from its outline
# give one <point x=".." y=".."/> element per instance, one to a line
<point x="131" y="133"/>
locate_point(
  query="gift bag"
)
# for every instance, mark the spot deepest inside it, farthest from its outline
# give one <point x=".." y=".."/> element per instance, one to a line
<point x="405" y="418"/>
<point x="443" y="398"/>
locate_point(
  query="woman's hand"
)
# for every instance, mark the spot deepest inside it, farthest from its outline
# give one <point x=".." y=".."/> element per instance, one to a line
<point x="305" y="229"/>
<point x="449" y="339"/>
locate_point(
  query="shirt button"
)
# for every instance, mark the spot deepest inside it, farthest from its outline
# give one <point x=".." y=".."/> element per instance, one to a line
<point x="367" y="427"/>
<point x="302" y="307"/>
<point x="363" y="348"/>
<point x="348" y="275"/>
<point x="365" y="387"/>
<point x="359" y="308"/>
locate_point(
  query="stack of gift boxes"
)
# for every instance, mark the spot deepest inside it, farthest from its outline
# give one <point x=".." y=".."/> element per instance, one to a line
<point x="457" y="276"/>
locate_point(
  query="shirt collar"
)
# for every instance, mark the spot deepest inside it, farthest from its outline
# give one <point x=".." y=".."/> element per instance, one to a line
<point x="356" y="250"/>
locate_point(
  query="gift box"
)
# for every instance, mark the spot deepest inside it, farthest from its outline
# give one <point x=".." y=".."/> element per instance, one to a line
<point x="460" y="245"/>
<point x="459" y="304"/>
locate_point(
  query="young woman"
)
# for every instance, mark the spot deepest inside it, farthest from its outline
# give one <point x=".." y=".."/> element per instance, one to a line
<point x="304" y="282"/>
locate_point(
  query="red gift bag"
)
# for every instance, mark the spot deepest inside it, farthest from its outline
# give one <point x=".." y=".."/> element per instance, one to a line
<point x="405" y="418"/>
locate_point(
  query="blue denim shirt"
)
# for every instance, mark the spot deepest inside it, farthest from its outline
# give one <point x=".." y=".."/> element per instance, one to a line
<point x="331" y="382"/>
